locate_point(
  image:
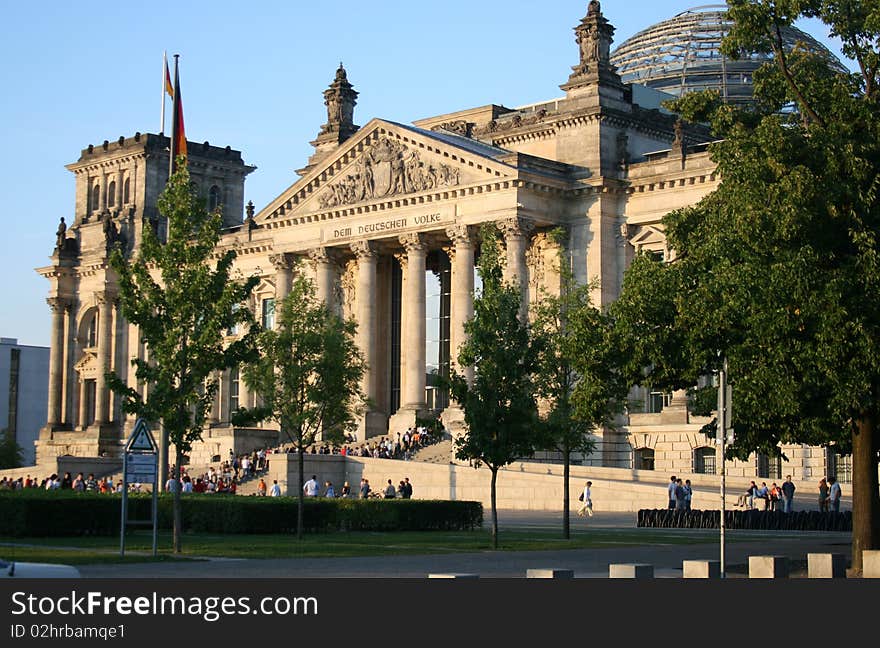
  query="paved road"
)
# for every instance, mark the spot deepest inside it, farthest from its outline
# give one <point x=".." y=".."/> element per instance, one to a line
<point x="586" y="563"/>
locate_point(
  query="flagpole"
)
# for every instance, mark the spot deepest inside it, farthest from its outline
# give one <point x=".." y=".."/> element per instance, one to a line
<point x="164" y="68"/>
<point x="174" y="125"/>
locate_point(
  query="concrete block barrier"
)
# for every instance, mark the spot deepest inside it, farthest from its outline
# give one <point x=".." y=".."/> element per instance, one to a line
<point x="701" y="569"/>
<point x="826" y="565"/>
<point x="549" y="573"/>
<point x="768" y="567"/>
<point x="631" y="570"/>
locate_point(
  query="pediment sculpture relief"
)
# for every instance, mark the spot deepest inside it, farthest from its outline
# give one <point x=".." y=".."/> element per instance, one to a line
<point x="387" y="168"/>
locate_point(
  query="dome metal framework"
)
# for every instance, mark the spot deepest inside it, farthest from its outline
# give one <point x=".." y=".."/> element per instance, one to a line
<point x="683" y="54"/>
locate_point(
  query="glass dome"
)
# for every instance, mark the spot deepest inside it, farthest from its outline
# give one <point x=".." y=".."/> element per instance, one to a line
<point x="682" y="55"/>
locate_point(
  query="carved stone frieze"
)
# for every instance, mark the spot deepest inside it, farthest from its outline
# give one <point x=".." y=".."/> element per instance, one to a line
<point x="517" y="121"/>
<point x="346" y="290"/>
<point x="536" y="257"/>
<point x="385" y="169"/>
<point x="58" y="304"/>
<point x="459" y="127"/>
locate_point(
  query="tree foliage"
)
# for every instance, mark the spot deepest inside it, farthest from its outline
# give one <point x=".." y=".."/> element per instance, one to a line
<point x="308" y="373"/>
<point x="500" y="408"/>
<point x="181" y="295"/>
<point x="779" y="268"/>
<point x="576" y="377"/>
<point x="11" y="454"/>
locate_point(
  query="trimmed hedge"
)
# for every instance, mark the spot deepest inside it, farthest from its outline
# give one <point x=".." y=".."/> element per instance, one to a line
<point x="28" y="513"/>
<point x="749" y="519"/>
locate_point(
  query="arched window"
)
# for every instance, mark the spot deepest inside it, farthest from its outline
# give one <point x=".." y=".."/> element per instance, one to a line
<point x="126" y="191"/>
<point x="96" y="197"/>
<point x="111" y="194"/>
<point x="214" y="198"/>
<point x="704" y="461"/>
<point x="643" y="459"/>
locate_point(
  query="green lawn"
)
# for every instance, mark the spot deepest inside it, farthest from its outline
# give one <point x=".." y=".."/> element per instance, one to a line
<point x="85" y="550"/>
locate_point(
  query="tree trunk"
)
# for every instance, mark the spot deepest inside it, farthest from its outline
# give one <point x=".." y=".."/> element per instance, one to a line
<point x="566" y="472"/>
<point x="866" y="500"/>
<point x="299" y="509"/>
<point x="178" y="526"/>
<point x="494" y="470"/>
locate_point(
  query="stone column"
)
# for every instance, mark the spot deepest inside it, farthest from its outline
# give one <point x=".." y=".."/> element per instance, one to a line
<point x="516" y="237"/>
<point x="105" y="342"/>
<point x="413" y="337"/>
<point x="324" y="275"/>
<point x="83" y="403"/>
<point x="366" y="311"/>
<point x="56" y="361"/>
<point x="462" y="310"/>
<point x="283" y="269"/>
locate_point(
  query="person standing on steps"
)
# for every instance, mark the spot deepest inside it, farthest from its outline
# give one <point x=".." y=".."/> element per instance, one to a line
<point x="787" y="494"/>
<point x="671" y="489"/>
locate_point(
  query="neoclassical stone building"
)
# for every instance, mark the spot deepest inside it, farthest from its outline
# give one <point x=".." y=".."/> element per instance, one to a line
<point x="385" y="217"/>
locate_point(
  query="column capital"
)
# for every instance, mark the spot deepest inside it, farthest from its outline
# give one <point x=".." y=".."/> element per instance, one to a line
<point x="413" y="242"/>
<point x="58" y="304"/>
<point x="460" y="234"/>
<point x="282" y="261"/>
<point x="105" y="298"/>
<point x="323" y="255"/>
<point x="515" y="226"/>
<point x="364" y="250"/>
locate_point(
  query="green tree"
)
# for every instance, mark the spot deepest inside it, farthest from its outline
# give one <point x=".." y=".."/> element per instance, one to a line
<point x="580" y="389"/>
<point x="308" y="374"/>
<point x="500" y="409"/>
<point x="779" y="268"/>
<point x="182" y="297"/>
<point x="11" y="454"/>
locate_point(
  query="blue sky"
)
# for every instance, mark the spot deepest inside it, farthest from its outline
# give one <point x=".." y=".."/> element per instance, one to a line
<point x="252" y="74"/>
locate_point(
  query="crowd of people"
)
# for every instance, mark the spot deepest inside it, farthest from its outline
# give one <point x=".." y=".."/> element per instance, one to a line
<point x="80" y="483"/>
<point x="781" y="497"/>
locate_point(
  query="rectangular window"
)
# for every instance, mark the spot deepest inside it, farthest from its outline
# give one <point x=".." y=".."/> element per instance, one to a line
<point x="268" y="314"/>
<point x="233" y="389"/>
<point x="233" y="330"/>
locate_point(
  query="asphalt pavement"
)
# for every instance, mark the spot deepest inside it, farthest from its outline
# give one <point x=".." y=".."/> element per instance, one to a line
<point x="586" y="563"/>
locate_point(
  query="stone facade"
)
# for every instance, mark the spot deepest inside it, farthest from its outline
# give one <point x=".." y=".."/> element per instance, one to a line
<point x="377" y="209"/>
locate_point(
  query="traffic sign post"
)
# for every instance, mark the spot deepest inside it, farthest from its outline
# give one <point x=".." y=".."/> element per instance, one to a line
<point x="141" y="466"/>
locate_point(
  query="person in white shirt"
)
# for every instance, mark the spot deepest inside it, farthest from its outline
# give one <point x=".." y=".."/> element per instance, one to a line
<point x="275" y="491"/>
<point x="311" y="487"/>
<point x="587" y="503"/>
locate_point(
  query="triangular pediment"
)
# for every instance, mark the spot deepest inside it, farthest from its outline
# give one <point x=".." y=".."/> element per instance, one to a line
<point x="87" y="366"/>
<point x="385" y="160"/>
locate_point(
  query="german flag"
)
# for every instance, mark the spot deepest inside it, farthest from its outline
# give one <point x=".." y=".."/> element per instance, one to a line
<point x="178" y="133"/>
<point x="169" y="89"/>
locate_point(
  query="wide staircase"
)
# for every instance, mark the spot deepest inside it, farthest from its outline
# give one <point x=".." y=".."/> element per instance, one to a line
<point x="436" y="453"/>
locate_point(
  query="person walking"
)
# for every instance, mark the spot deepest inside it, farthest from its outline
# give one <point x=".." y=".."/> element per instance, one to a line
<point x="276" y="489"/>
<point x="688" y="494"/>
<point x="261" y="488"/>
<point x="330" y="491"/>
<point x="346" y="490"/>
<point x="586" y="501"/>
<point x="408" y="489"/>
<point x="310" y="488"/>
<point x="823" y="496"/>
<point x="390" y="492"/>
<point x="788" y="489"/>
<point x="834" y="494"/>
<point x="365" y="489"/>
